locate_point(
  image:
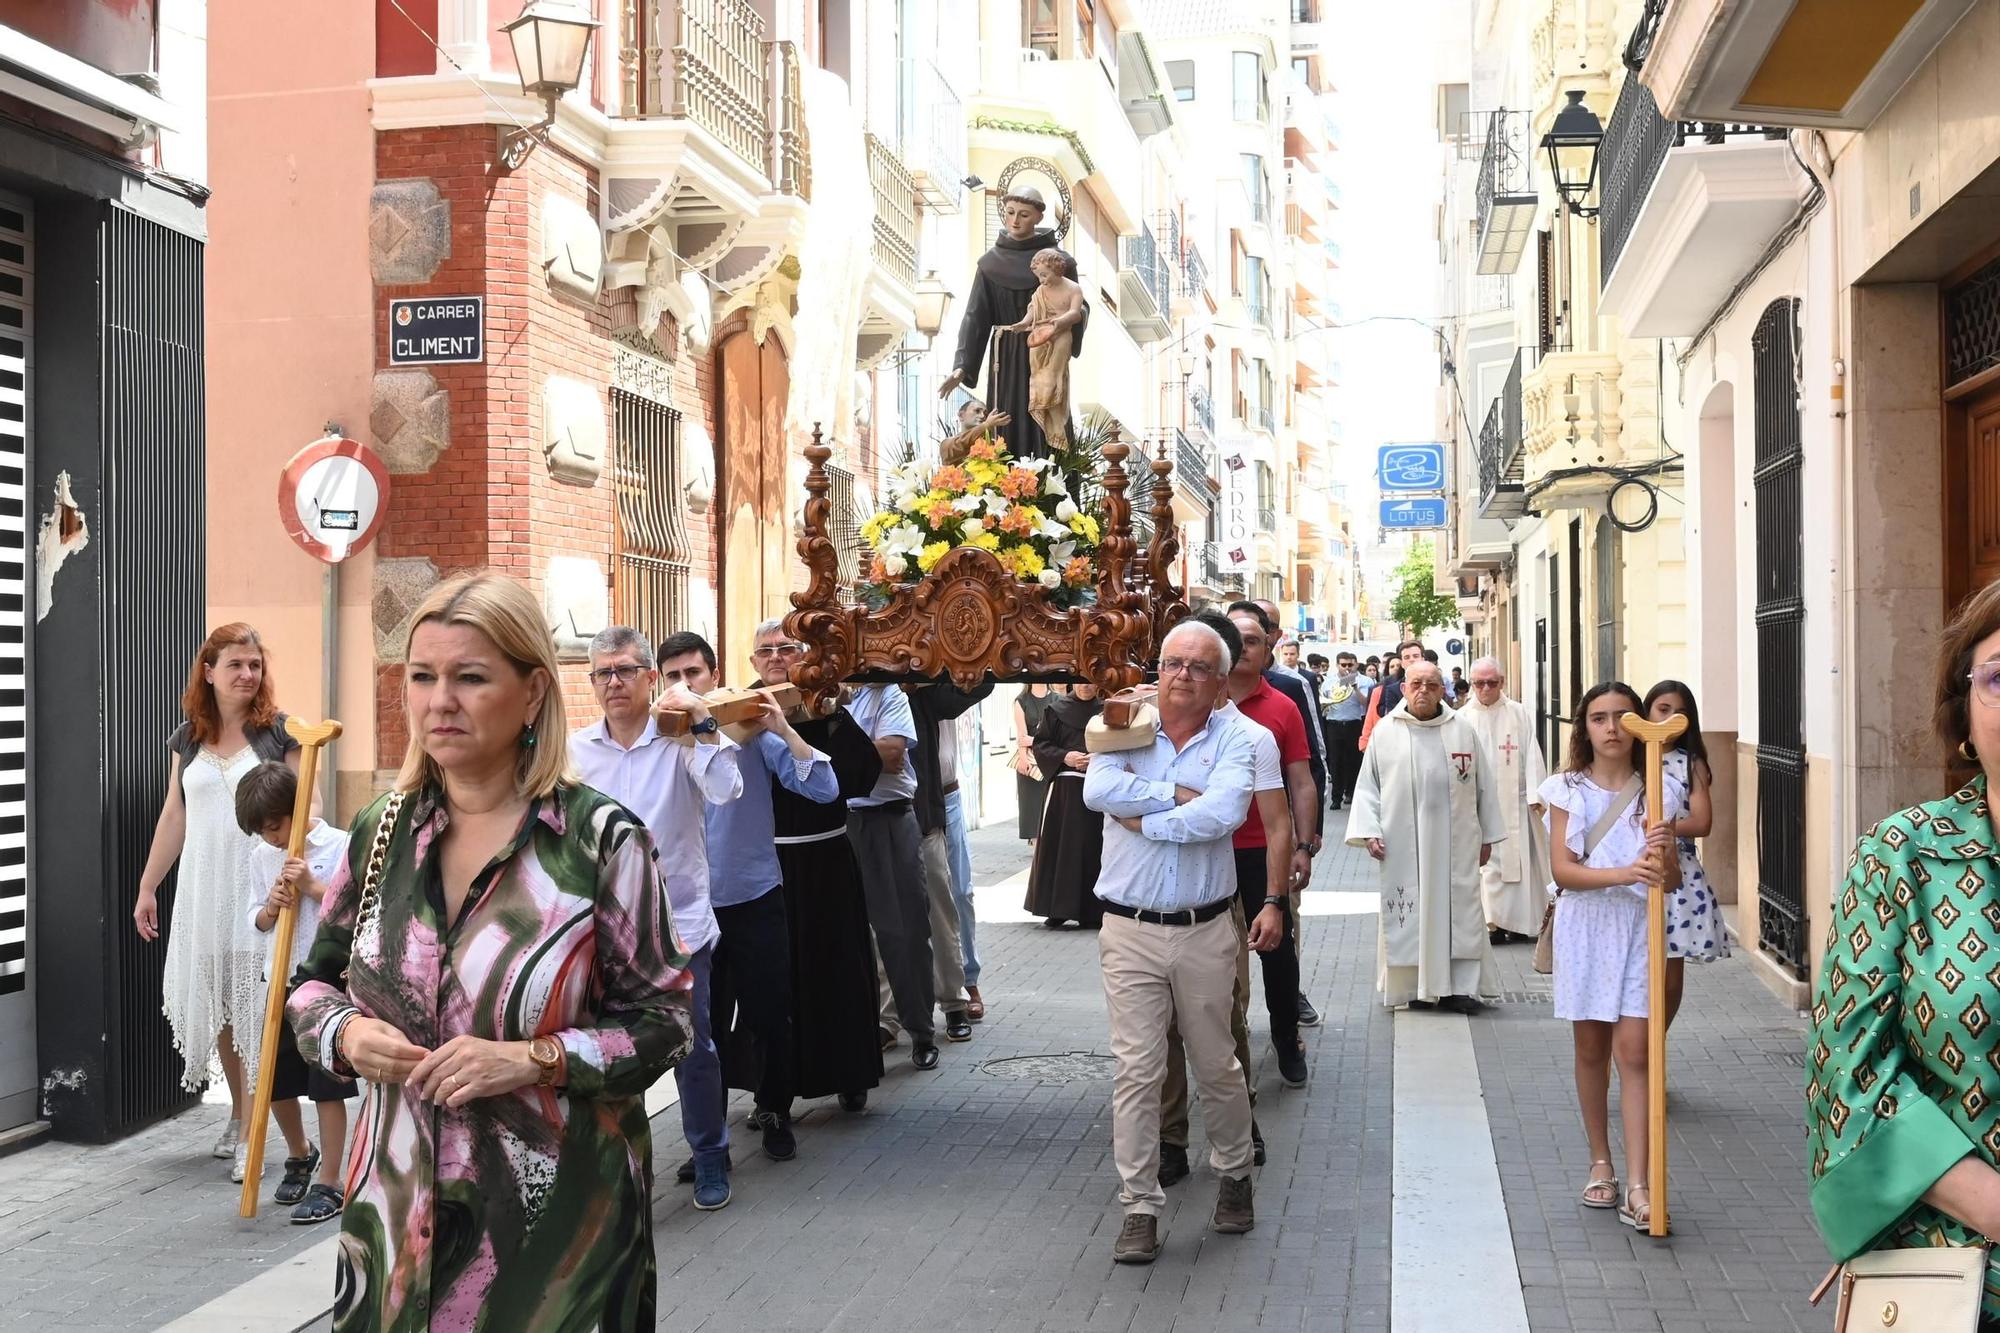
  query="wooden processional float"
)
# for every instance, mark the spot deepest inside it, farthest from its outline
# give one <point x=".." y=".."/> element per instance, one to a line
<point x="971" y="619"/>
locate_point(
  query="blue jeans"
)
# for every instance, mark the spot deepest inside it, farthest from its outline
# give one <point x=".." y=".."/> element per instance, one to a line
<point x="960" y="851"/>
<point x="704" y="1100"/>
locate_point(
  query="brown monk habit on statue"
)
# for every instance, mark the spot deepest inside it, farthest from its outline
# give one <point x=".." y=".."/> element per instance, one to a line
<point x="1002" y="286"/>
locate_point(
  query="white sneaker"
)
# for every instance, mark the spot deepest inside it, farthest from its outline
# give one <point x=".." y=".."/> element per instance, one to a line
<point x="231" y="1134"/>
<point x="241" y="1166"/>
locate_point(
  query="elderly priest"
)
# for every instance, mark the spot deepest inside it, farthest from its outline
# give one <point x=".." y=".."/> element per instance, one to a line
<point x="1515" y="879"/>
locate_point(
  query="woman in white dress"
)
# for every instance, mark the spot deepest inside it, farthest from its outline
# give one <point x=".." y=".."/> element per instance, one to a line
<point x="1695" y="928"/>
<point x="214" y="988"/>
<point x="1604" y="858"/>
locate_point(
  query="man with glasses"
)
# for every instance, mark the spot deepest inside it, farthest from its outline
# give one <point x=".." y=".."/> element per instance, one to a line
<point x="1345" y="697"/>
<point x="1168" y="947"/>
<point x="1390" y="692"/>
<point x="1426" y="809"/>
<point x="669" y="786"/>
<point x="1514" y="881"/>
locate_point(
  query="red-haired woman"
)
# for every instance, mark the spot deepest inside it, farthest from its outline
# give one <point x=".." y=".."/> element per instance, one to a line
<point x="214" y="987"/>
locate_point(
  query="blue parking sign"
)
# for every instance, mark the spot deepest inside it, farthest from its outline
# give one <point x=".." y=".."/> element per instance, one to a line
<point x="1409" y="467"/>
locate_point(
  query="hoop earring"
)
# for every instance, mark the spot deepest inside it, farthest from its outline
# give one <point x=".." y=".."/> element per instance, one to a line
<point x="1967" y="753"/>
<point x="528" y="736"/>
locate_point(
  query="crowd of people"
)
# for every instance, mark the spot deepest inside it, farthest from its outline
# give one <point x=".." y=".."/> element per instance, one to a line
<point x="535" y="923"/>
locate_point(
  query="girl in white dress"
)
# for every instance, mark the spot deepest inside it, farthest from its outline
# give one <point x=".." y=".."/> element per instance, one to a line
<point x="214" y="984"/>
<point x="1695" y="928"/>
<point x="1600" y="931"/>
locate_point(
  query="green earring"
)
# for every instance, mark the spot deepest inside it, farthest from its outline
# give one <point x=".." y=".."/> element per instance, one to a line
<point x="528" y="737"/>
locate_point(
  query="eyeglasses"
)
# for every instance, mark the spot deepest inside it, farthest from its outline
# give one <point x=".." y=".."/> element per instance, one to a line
<point x="625" y="675"/>
<point x="1485" y="684"/>
<point x="1418" y="686"/>
<point x="1985" y="680"/>
<point x="1194" y="671"/>
<point x="767" y="651"/>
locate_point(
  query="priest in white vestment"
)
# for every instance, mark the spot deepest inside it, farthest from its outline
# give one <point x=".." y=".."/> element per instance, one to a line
<point x="1426" y="808"/>
<point x="1514" y="882"/>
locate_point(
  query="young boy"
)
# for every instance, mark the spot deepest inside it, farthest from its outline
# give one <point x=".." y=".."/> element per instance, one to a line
<point x="264" y="800"/>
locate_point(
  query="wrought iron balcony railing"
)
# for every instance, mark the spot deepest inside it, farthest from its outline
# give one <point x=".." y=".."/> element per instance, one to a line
<point x="939" y="153"/>
<point x="895" y="211"/>
<point x="1204" y="409"/>
<point x="1267" y="517"/>
<point x="1506" y="192"/>
<point x="1145" y="259"/>
<point x="1259" y="308"/>
<point x="1194" y="270"/>
<point x="791" y="156"/>
<point x="1192" y="470"/>
<point x="1500" y="490"/>
<point x="1636" y="144"/>
<point x="1211" y="565"/>
<point x="698" y="60"/>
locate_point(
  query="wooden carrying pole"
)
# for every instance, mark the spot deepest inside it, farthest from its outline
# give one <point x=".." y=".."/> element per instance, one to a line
<point x="311" y="739"/>
<point x="1656" y="735"/>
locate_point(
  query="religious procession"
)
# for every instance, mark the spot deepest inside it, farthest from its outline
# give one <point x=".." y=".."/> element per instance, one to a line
<point x="999" y="665"/>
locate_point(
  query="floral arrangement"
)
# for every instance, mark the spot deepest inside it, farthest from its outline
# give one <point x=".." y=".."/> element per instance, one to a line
<point x="1020" y="511"/>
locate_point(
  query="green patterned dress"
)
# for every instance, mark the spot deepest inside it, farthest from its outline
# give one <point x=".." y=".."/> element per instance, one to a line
<point x="1903" y="1080"/>
<point x="529" y="1212"/>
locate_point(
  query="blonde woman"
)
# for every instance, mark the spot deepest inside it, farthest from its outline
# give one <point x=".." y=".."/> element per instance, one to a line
<point x="509" y="988"/>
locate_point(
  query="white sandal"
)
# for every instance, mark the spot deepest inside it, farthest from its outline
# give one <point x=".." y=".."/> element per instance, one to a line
<point x="1609" y="1183"/>
<point x="1641" y="1218"/>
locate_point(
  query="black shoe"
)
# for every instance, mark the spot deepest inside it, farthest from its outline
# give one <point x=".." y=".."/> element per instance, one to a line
<point x="1173" y="1164"/>
<point x="298" y="1175"/>
<point x="957" y="1027"/>
<point x="1422" y="1004"/>
<point x="1292" y="1066"/>
<point x="1256" y="1143"/>
<point x="322" y="1203"/>
<point x="853" y="1101"/>
<point x="925" y="1056"/>
<point x="685" y="1175"/>
<point x="780" y="1145"/>
<point x="1308" y="1016"/>
<point x="1460" y="1004"/>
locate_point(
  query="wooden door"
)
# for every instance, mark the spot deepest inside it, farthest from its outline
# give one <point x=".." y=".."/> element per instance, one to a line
<point x="1972" y="495"/>
<point x="754" y="545"/>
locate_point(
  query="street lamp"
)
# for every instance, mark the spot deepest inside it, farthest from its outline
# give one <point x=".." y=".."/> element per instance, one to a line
<point x="933" y="298"/>
<point x="1572" y="144"/>
<point x="551" y="40"/>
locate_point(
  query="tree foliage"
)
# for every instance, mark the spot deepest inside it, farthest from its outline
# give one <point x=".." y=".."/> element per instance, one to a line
<point x="1418" y="605"/>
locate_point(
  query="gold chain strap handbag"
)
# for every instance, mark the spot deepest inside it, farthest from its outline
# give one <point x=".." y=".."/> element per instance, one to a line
<point x="1545" y="939"/>
<point x="368" y="914"/>
<point x="1929" y="1290"/>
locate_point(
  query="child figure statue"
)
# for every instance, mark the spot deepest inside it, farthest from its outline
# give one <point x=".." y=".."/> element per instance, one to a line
<point x="1053" y="311"/>
<point x="974" y="423"/>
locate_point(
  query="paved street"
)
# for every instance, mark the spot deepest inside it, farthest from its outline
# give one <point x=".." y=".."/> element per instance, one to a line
<point x="983" y="1196"/>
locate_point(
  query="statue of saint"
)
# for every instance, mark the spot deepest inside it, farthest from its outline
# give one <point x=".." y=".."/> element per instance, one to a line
<point x="1002" y="288"/>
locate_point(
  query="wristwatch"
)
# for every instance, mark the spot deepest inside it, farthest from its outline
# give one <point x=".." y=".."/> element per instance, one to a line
<point x="1276" y="900"/>
<point x="547" y="1053"/>
<point x="708" y="726"/>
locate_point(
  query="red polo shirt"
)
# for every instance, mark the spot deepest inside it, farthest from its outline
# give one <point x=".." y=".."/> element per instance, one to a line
<point x="1279" y="716"/>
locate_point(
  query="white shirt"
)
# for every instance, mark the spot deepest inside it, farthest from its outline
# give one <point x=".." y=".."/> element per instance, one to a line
<point x="325" y="849"/>
<point x="884" y="711"/>
<point x="1270" y="773"/>
<point x="666" y="784"/>
<point x="1182" y="858"/>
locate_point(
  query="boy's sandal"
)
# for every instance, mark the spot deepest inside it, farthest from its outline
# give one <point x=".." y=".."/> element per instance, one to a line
<point x="322" y="1203"/>
<point x="1600" y="1193"/>
<point x="1640" y="1218"/>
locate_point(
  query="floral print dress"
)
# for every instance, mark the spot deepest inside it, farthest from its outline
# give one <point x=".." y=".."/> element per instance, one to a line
<point x="1695" y="928"/>
<point x="528" y="1211"/>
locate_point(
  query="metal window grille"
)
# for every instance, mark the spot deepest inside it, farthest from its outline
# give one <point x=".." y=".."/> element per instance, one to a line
<point x="650" y="589"/>
<point x="1972" y="325"/>
<point x="844" y="528"/>
<point x="1776" y="477"/>
<point x="1608" y="591"/>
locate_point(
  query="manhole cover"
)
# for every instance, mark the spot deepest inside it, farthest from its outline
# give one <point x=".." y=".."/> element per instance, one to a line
<point x="1075" y="1067"/>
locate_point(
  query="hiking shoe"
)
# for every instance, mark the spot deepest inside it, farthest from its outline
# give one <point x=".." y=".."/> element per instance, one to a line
<point x="225" y="1147"/>
<point x="685" y="1175"/>
<point x="1292" y="1066"/>
<point x="780" y="1145"/>
<point x="322" y="1202"/>
<point x="1138" y="1240"/>
<point x="1308" y="1016"/>
<point x="1233" y="1212"/>
<point x="711" y="1186"/>
<point x="1256" y="1143"/>
<point x="240" y="1166"/>
<point x="298" y="1175"/>
<point x="1173" y="1164"/>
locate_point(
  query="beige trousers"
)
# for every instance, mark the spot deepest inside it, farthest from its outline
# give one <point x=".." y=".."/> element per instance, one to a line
<point x="947" y="963"/>
<point x="1174" y="1093"/>
<point x="1155" y="976"/>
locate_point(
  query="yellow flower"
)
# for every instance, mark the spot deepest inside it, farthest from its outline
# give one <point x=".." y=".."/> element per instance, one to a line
<point x="872" y="530"/>
<point x="983" y="474"/>
<point x="928" y="558"/>
<point x="1022" y="560"/>
<point x="1084" y="526"/>
<point x="986" y="541"/>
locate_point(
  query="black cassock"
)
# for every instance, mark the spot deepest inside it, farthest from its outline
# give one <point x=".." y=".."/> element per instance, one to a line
<point x="834" y="1007"/>
<point x="1002" y="286"/>
<point x="1062" y="886"/>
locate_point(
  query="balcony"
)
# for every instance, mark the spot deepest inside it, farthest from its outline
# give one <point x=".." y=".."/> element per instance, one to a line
<point x="1065" y="112"/>
<point x="1267" y="516"/>
<point x="1500" y="493"/>
<point x="1140" y="90"/>
<point x="1145" y="288"/>
<point x="889" y="296"/>
<point x="778" y="227"/>
<point x="937" y="158"/>
<point x="1727" y="62"/>
<point x="1570" y="428"/>
<point x="1211" y="566"/>
<point x="1506" y="194"/>
<point x="1688" y="209"/>
<point x="1204" y="409"/>
<point x="1194" y="271"/>
<point x="1194" y="486"/>
<point x="1258" y="307"/>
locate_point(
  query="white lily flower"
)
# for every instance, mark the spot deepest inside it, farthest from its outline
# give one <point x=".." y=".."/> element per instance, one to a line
<point x="903" y="539"/>
<point x="1053" y="484"/>
<point x="1066" y="509"/>
<point x="968" y="504"/>
<point x="997" y="506"/>
<point x="1052" y="530"/>
<point x="1060" y="553"/>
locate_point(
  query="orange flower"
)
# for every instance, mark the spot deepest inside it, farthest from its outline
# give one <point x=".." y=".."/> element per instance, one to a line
<point x="950" y="479"/>
<point x="939" y="513"/>
<point x="984" y="450"/>
<point x="1019" y="521"/>
<point x="1019" y="482"/>
<point x="1077" y="571"/>
<point x="877" y="571"/>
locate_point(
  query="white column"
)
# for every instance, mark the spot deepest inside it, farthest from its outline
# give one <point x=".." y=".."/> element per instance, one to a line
<point x="463" y="36"/>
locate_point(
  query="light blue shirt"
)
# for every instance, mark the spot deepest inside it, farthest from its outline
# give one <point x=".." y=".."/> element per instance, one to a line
<point x="1181" y="858"/>
<point x="884" y="711"/>
<point x="742" y="851"/>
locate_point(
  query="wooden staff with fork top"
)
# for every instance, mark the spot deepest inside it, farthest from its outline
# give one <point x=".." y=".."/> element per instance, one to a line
<point x="311" y="740"/>
<point x="1655" y="735"/>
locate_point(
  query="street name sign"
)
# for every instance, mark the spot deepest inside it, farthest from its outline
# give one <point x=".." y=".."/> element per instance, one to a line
<point x="1409" y="467"/>
<point x="1409" y="515"/>
<point x="437" y="330"/>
